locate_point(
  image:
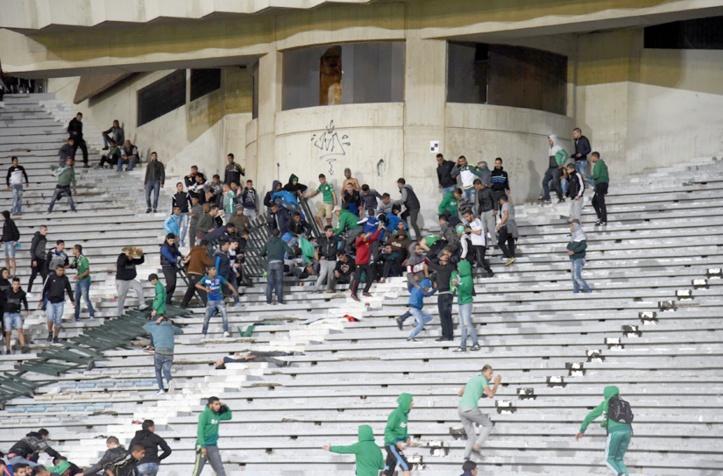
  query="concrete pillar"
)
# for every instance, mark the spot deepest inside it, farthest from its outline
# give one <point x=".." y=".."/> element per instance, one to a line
<point x="269" y="105"/>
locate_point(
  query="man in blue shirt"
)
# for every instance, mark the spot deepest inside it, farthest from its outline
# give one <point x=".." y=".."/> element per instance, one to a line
<point x="212" y="284"/>
<point x="162" y="332"/>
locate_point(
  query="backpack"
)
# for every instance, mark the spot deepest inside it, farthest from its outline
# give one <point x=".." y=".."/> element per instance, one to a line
<point x="619" y="411"/>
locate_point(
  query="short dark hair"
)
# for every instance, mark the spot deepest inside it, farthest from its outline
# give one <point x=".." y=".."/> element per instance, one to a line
<point x="79" y="248"/>
<point x="365" y="188"/>
<point x="469" y="465"/>
<point x="213" y="400"/>
<point x="137" y="447"/>
<point x="147" y="424"/>
<point x="60" y="242"/>
<point x="154" y="153"/>
<point x="502" y="197"/>
<point x="402" y="181"/>
<point x="112" y="440"/>
<point x="230" y="154"/>
<point x="442" y="217"/>
<point x="16" y="280"/>
<point x="275" y="233"/>
<point x="440" y="156"/>
<point x="596" y="154"/>
<point x="577" y="129"/>
<point x="179" y="183"/>
<point x="18" y="466"/>
<point x="43" y="432"/>
<point x="328" y="227"/>
<point x="386" y="195"/>
<point x="467" y="211"/>
<point x="340" y="254"/>
<point x="194" y="167"/>
<point x="14" y="157"/>
<point x="498" y="158"/>
<point x="486" y="367"/>
<point x="152" y="277"/>
<point x="60" y="266"/>
<point x="217" y="176"/>
<point x="322" y="176"/>
<point x="79" y="114"/>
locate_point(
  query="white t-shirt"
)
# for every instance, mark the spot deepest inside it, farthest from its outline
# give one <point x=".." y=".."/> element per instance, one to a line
<point x="481" y="239"/>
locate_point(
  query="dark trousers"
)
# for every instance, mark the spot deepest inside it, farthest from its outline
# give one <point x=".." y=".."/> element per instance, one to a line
<point x="275" y="282"/>
<point x="367" y="269"/>
<point x="112" y="161"/>
<point x="169" y="272"/>
<point x="497" y="194"/>
<point x="193" y="279"/>
<point x="39" y="268"/>
<point x="80" y="144"/>
<point x="479" y="254"/>
<point x="598" y="201"/>
<point x="444" y="306"/>
<point x="192" y="236"/>
<point x="553" y="174"/>
<point x="410" y="216"/>
<point x="506" y="242"/>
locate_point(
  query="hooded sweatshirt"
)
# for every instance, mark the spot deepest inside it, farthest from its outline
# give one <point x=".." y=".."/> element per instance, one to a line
<point x="208" y="422"/>
<point x="347" y="221"/>
<point x="369" y="459"/>
<point x="268" y="198"/>
<point x="37" y="247"/>
<point x="578" y="242"/>
<point x="448" y="204"/>
<point x="611" y="425"/>
<point x="557" y="155"/>
<point x="417" y="294"/>
<point x="10" y="230"/>
<point x="151" y="442"/>
<point x="108" y="457"/>
<point x="396" y="429"/>
<point x="415" y="266"/>
<point x="465" y="285"/>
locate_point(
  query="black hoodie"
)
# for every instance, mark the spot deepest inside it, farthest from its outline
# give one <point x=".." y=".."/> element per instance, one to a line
<point x="151" y="442"/>
<point x="126" y="267"/>
<point x="37" y="247"/>
<point x="10" y="230"/>
<point x="108" y="457"/>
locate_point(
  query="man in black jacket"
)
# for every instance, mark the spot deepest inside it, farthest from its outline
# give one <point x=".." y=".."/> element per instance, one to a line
<point x="10" y="237"/>
<point x="26" y="450"/>
<point x="486" y="207"/>
<point x="328" y="247"/>
<point x="411" y="206"/>
<point x="125" y="277"/>
<point x="53" y="291"/>
<point x="447" y="183"/>
<point x="75" y="129"/>
<point x="582" y="148"/>
<point x="155" y="179"/>
<point x="114" y="450"/>
<point x="500" y="182"/>
<point x="15" y="300"/>
<point x="37" y="256"/>
<point x="148" y="438"/>
<point x="233" y="171"/>
<point x="442" y="270"/>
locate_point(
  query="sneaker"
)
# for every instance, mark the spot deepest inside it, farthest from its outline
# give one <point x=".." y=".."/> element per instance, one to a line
<point x="154" y="211"/>
<point x="546" y="202"/>
<point x="238" y="304"/>
<point x="25" y="350"/>
<point x="367" y="294"/>
<point x="562" y="200"/>
<point x="160" y="392"/>
<point x="510" y="262"/>
<point x="355" y="297"/>
<point x="460" y="350"/>
<point x="475" y="348"/>
<point x="413" y="340"/>
<point x="148" y="210"/>
<point x="56" y="340"/>
<point x="77" y="319"/>
<point x="598" y="223"/>
<point x="603" y="223"/>
<point x="400" y="323"/>
<point x="148" y="349"/>
<point x="143" y="307"/>
<point x="8" y="352"/>
<point x="171" y="386"/>
<point x="227" y="334"/>
<point x="50" y="337"/>
<point x="104" y="148"/>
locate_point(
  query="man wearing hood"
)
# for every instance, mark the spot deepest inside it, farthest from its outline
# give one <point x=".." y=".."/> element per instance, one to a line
<point x="294" y="186"/>
<point x="462" y="285"/>
<point x="396" y="437"/>
<point x="268" y="198"/>
<point x="148" y="438"/>
<point x="576" y="250"/>
<point x="412" y="206"/>
<point x="557" y="157"/>
<point x="207" y="442"/>
<point x="619" y="432"/>
<point x="575" y="191"/>
<point x="369" y="459"/>
<point x="469" y="412"/>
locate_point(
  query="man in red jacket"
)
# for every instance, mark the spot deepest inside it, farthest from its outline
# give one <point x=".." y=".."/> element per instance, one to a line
<point x="363" y="262"/>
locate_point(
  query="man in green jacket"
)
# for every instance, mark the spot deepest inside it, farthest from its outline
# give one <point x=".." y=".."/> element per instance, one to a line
<point x="396" y="437"/>
<point x="66" y="178"/>
<point x="347" y="221"/>
<point x="618" y="433"/>
<point x="159" y="301"/>
<point x="449" y="203"/>
<point x="601" y="179"/>
<point x="206" y="444"/>
<point x="462" y="284"/>
<point x="369" y="458"/>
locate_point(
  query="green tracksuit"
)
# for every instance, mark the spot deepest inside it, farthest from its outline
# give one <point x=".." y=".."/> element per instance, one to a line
<point x="618" y="433"/>
<point x="159" y="302"/>
<point x="208" y="423"/>
<point x="369" y="458"/>
<point x="600" y="172"/>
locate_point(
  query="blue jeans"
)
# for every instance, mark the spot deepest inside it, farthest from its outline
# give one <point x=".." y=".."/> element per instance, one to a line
<point x="147" y="469"/>
<point x="155" y="187"/>
<point x="577" y="281"/>
<point x="215" y="305"/>
<point x="60" y="191"/>
<point x="54" y="313"/>
<point x="10" y="248"/>
<point x="162" y="364"/>
<point x="581" y="167"/>
<point x="275" y="282"/>
<point x="446" y="190"/>
<point x="421" y="319"/>
<point x="130" y="163"/>
<point x="183" y="228"/>
<point x="564" y="184"/>
<point x="82" y="288"/>
<point x="469" y="195"/>
<point x="12" y="320"/>
<point x="17" y="198"/>
<point x="19" y="459"/>
<point x="466" y="325"/>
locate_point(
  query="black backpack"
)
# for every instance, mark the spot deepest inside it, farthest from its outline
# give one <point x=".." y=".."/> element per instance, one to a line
<point x="619" y="411"/>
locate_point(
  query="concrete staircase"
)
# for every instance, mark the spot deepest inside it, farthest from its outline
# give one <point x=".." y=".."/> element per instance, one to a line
<point x="652" y="327"/>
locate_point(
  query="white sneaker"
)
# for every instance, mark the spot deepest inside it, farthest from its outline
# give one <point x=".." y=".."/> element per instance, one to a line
<point x="227" y="334"/>
<point x="143" y="307"/>
<point x="171" y="386"/>
<point x="160" y="392"/>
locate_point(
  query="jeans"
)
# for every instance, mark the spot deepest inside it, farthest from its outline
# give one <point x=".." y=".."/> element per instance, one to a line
<point x="598" y="201"/>
<point x="213" y="305"/>
<point x="326" y="274"/>
<point x="213" y="456"/>
<point x="506" y="242"/>
<point x="444" y="306"/>
<point x="19" y="459"/>
<point x="470" y="417"/>
<point x="411" y="217"/>
<point x="564" y="185"/>
<point x="466" y="325"/>
<point x="162" y="363"/>
<point x="553" y="174"/>
<point x="446" y="190"/>
<point x="12" y="320"/>
<point x="58" y="193"/>
<point x="155" y="187"/>
<point x="193" y="279"/>
<point x="122" y="287"/>
<point x="577" y="281"/>
<point x="275" y="281"/>
<point x="82" y="288"/>
<point x="421" y="319"/>
<point x="10" y="248"/>
<point x="54" y="313"/>
<point x="183" y="228"/>
<point x="131" y="163"/>
<point x="581" y="167"/>
<point x="17" y="198"/>
<point x="147" y="469"/>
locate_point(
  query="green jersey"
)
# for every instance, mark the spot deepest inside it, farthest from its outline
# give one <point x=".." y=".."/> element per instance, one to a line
<point x="82" y="265"/>
<point x="473" y="391"/>
<point x="327" y="192"/>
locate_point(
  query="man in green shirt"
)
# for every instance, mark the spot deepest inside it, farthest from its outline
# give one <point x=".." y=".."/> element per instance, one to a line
<point x="449" y="203"/>
<point x="82" y="281"/>
<point x="326" y="210"/>
<point x="158" y="308"/>
<point x="601" y="179"/>
<point x="469" y="412"/>
<point x="369" y="458"/>
<point x="66" y="178"/>
<point x="206" y="444"/>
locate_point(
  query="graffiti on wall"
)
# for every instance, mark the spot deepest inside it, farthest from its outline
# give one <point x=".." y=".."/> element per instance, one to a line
<point x="330" y="145"/>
